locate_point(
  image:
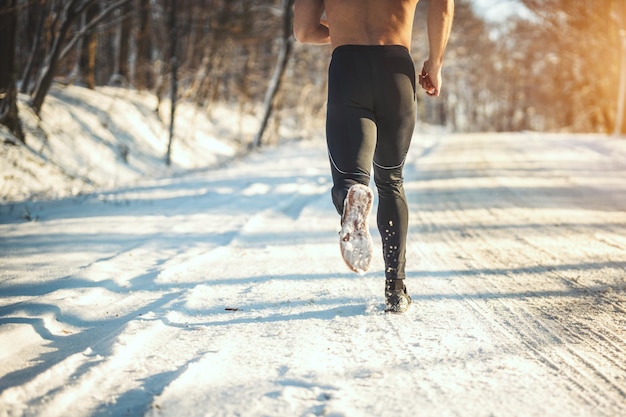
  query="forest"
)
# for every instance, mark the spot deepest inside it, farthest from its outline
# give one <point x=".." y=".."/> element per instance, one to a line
<point x="561" y="69"/>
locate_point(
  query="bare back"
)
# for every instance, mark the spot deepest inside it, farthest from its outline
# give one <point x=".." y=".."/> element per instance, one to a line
<point x="370" y="22"/>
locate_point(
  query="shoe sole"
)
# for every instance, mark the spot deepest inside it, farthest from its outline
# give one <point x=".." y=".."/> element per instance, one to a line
<point x="354" y="239"/>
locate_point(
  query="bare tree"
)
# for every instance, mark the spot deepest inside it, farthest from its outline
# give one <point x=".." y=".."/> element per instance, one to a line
<point x="144" y="76"/>
<point x="122" y="67"/>
<point x="87" y="51"/>
<point x="37" y="13"/>
<point x="68" y="14"/>
<point x="8" y="92"/>
<point x="286" y="46"/>
<point x="173" y="64"/>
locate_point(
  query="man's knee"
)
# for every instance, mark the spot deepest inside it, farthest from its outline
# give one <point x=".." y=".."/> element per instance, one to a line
<point x="389" y="183"/>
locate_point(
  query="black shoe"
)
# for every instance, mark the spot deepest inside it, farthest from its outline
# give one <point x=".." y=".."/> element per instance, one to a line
<point x="397" y="300"/>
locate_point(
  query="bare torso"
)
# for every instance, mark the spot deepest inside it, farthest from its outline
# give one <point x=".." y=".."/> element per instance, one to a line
<point x="370" y="22"/>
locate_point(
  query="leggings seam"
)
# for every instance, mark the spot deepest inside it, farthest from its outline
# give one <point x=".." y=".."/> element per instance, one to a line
<point x="332" y="161"/>
<point x="393" y="167"/>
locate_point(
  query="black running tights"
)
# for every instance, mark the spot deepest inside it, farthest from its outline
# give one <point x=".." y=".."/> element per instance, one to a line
<point x="370" y="121"/>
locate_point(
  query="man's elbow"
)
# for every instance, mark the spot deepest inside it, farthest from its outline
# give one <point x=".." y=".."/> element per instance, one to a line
<point x="299" y="33"/>
<point x="302" y="34"/>
<point x="316" y="35"/>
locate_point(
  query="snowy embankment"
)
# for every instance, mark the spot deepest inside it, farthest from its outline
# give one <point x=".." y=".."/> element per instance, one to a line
<point x="88" y="140"/>
<point x="222" y="293"/>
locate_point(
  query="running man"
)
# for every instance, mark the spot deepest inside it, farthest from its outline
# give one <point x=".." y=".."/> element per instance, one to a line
<point x="371" y="116"/>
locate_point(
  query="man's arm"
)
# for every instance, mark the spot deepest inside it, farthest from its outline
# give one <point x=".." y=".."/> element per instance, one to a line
<point x="440" y="16"/>
<point x="308" y="26"/>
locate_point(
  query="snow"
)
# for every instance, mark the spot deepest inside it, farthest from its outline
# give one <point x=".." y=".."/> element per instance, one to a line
<point x="88" y="140"/>
<point x="221" y="292"/>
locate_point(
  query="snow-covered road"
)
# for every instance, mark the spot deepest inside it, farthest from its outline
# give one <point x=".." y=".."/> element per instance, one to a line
<point x="223" y="293"/>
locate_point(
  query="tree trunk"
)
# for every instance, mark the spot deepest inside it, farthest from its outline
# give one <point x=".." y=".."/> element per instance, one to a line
<point x="87" y="60"/>
<point x="124" y="49"/>
<point x="279" y="72"/>
<point x="173" y="58"/>
<point x="8" y="92"/>
<point x="71" y="11"/>
<point x="34" y="59"/>
<point x="143" y="73"/>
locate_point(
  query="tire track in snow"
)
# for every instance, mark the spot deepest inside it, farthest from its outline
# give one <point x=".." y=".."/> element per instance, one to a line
<point x="570" y="230"/>
<point x="515" y="317"/>
<point x="162" y="272"/>
<point x="581" y="365"/>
